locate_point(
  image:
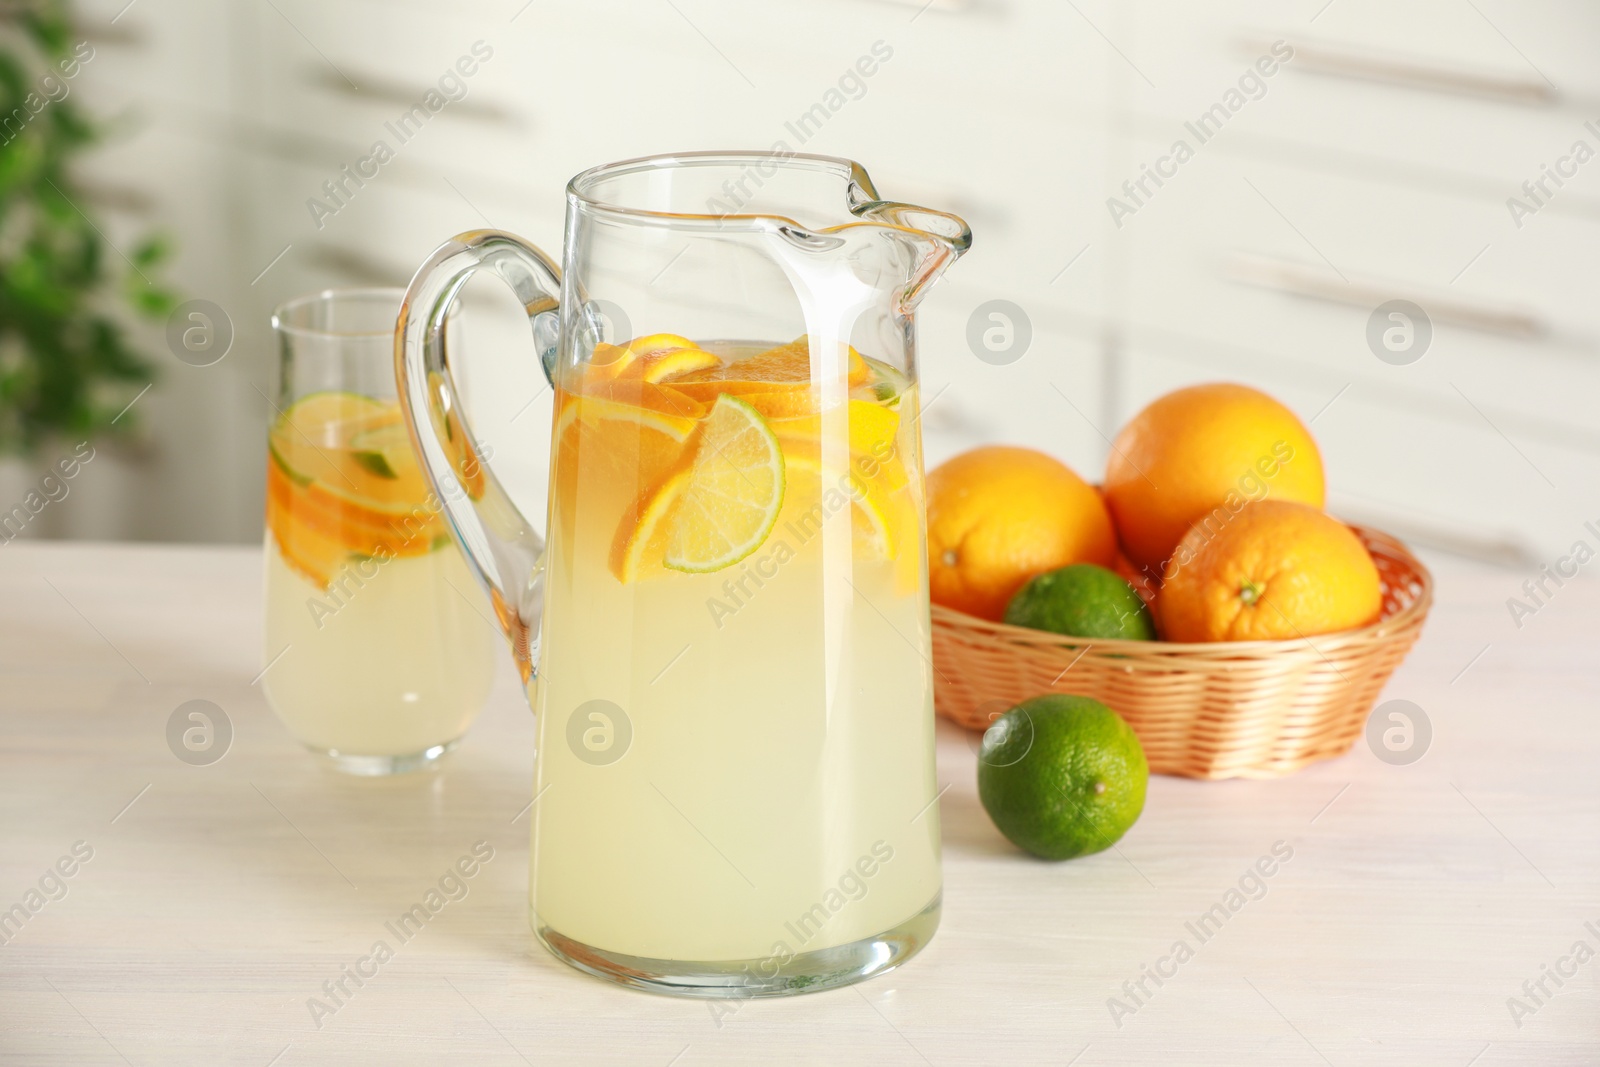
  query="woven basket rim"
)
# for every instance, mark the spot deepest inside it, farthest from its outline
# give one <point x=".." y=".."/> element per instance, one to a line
<point x="1236" y="650"/>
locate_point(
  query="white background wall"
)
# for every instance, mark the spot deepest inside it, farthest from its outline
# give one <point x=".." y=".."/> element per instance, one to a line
<point x="1377" y="164"/>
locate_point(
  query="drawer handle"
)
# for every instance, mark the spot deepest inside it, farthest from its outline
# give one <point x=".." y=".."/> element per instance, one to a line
<point x="953" y="6"/>
<point x="1299" y="279"/>
<point x="119" y="196"/>
<point x="355" y="266"/>
<point x="1358" y="65"/>
<point x="1503" y="549"/>
<point x="377" y="88"/>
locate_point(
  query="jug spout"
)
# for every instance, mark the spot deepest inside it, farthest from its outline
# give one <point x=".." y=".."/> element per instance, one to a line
<point x="888" y="253"/>
<point x="932" y="239"/>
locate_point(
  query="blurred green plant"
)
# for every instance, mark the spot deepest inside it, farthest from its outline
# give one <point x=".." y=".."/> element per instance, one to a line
<point x="67" y="368"/>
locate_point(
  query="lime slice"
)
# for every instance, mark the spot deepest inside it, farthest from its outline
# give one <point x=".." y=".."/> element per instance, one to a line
<point x="354" y="448"/>
<point x="384" y="451"/>
<point x="733" y="493"/>
<point x="305" y="437"/>
<point x="884" y="383"/>
<point x="302" y="480"/>
<point x="375" y="463"/>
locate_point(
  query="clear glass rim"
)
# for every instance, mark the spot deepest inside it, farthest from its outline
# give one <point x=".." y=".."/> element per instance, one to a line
<point x="285" y="314"/>
<point x="860" y="196"/>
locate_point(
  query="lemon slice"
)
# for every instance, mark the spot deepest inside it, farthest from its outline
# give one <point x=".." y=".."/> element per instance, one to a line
<point x="732" y="495"/>
<point x="878" y="527"/>
<point x="872" y="427"/>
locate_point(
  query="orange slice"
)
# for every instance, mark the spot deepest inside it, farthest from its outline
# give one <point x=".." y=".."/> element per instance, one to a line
<point x="785" y="404"/>
<point x="317" y="533"/>
<point x="621" y="435"/>
<point x="641" y="539"/>
<point x="614" y="361"/>
<point x="343" y="482"/>
<point x="788" y="365"/>
<point x="668" y="364"/>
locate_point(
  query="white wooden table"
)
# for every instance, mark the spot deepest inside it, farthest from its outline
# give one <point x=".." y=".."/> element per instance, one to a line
<point x="218" y="899"/>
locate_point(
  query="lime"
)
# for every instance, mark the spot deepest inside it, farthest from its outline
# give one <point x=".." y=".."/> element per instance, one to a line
<point x="1082" y="600"/>
<point x="885" y="384"/>
<point x="1062" y="776"/>
<point x="384" y="451"/>
<point x="354" y="447"/>
<point x="730" y="499"/>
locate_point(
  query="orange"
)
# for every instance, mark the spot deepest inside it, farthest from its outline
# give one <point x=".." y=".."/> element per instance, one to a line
<point x="997" y="516"/>
<point x="1273" y="571"/>
<point x="1199" y="449"/>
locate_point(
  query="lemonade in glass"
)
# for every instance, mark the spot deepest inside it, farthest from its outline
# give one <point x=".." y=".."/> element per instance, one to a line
<point x="377" y="653"/>
<point x="740" y="553"/>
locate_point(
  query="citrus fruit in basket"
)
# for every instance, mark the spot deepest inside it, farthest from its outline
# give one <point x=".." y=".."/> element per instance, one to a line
<point x="1062" y="776"/>
<point x="1277" y="570"/>
<point x="1198" y="450"/>
<point x="1143" y="584"/>
<point x="1082" y="600"/>
<point x="997" y="516"/>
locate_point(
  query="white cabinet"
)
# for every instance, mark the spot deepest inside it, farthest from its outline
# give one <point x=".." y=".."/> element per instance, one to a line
<point x="1291" y="264"/>
<point x="1051" y="398"/>
<point x="1374" y="164"/>
<point x="1427" y="92"/>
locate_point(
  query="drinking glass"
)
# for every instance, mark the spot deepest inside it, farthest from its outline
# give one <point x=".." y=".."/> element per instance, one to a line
<point x="378" y="654"/>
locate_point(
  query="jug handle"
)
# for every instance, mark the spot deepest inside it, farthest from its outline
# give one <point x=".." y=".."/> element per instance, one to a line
<point x="503" y="550"/>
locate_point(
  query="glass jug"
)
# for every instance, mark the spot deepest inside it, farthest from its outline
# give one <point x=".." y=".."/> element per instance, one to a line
<point x="726" y="640"/>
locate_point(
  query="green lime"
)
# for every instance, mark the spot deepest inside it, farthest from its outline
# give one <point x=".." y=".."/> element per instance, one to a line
<point x="1062" y="776"/>
<point x="1082" y="600"/>
<point x="383" y="450"/>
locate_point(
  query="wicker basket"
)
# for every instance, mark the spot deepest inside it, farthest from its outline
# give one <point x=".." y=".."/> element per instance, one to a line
<point x="1247" y="709"/>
